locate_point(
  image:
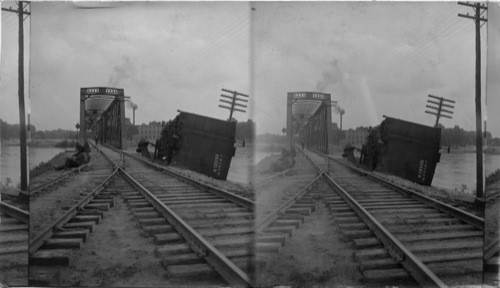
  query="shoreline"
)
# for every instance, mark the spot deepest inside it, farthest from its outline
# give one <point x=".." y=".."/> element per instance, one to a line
<point x="51" y="143"/>
<point x="461" y="200"/>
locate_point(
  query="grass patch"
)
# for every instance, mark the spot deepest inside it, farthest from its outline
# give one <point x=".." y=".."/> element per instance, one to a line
<point x="494" y="177"/>
<point x="47" y="166"/>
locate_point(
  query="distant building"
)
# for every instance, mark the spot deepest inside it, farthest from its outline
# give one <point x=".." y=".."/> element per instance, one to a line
<point x="336" y="134"/>
<point x="356" y="137"/>
<point x="150" y="132"/>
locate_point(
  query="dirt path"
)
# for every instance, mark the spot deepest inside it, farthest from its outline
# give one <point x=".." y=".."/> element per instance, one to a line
<point x="117" y="254"/>
<point x="314" y="256"/>
<point x="272" y="194"/>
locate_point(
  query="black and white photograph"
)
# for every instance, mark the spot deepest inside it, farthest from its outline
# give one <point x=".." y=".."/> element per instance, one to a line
<point x="368" y="140"/>
<point x="14" y="158"/>
<point x="144" y="111"/>
<point x="249" y="144"/>
<point x="492" y="164"/>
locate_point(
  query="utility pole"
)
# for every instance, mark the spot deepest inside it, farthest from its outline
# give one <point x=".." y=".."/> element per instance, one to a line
<point x="439" y="111"/>
<point x="479" y="140"/>
<point x="22" y="119"/>
<point x="233" y="102"/>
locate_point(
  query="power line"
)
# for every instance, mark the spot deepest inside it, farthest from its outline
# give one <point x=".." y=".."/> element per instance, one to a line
<point x="439" y="110"/>
<point x="422" y="48"/>
<point x="423" y="45"/>
<point x="217" y="35"/>
<point x="209" y="47"/>
<point x="446" y="41"/>
<point x="425" y="40"/>
<point x="429" y="49"/>
<point x="214" y="44"/>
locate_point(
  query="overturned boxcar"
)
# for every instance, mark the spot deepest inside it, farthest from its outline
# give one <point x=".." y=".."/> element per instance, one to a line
<point x="405" y="149"/>
<point x="198" y="143"/>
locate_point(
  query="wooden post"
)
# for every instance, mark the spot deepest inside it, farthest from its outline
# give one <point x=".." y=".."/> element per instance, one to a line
<point x="22" y="118"/>
<point x="479" y="140"/>
<point x="479" y="133"/>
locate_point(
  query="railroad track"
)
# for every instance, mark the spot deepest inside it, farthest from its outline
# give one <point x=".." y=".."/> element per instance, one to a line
<point x="435" y="243"/>
<point x="54" y="244"/>
<point x="274" y="230"/>
<point x="201" y="231"/>
<point x="59" y="178"/>
<point x="491" y="264"/>
<point x="13" y="245"/>
<point x="399" y="236"/>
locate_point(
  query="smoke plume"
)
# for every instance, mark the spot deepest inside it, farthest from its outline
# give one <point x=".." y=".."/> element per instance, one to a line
<point x="122" y="72"/>
<point x="132" y="105"/>
<point x="339" y="109"/>
<point x="330" y="77"/>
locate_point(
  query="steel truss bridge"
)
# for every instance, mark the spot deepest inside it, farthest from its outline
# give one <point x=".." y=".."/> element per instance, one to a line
<point x="102" y="111"/>
<point x="309" y="120"/>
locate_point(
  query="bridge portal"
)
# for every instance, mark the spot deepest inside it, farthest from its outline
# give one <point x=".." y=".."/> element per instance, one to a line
<point x="309" y="120"/>
<point x="102" y="110"/>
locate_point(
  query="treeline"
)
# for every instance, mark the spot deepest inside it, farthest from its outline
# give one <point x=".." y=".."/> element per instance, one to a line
<point x="458" y="137"/>
<point x="10" y="131"/>
<point x="54" y="134"/>
<point x="270" y="138"/>
<point x="245" y="131"/>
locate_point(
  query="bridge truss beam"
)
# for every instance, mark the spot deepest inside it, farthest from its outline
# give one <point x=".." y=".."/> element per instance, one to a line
<point x="309" y="118"/>
<point x="102" y="110"/>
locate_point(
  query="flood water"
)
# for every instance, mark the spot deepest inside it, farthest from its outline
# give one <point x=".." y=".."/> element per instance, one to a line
<point x="457" y="171"/>
<point x="10" y="167"/>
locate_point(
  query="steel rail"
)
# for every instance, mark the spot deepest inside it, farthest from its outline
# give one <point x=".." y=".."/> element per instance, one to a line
<point x="471" y="219"/>
<point x="492" y="195"/>
<point x="424" y="276"/>
<point x="64" y="176"/>
<point x="115" y="165"/>
<point x="15" y="212"/>
<point x="38" y="241"/>
<point x="274" y="215"/>
<point x="247" y="203"/>
<point x="50" y="182"/>
<point x="316" y="165"/>
<point x="491" y="249"/>
<point x="225" y="267"/>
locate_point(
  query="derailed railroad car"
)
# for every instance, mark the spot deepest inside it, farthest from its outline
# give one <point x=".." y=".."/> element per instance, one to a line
<point x="198" y="143"/>
<point x="405" y="149"/>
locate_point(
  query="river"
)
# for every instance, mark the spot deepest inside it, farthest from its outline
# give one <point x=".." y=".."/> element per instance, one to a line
<point x="10" y="161"/>
<point x="456" y="171"/>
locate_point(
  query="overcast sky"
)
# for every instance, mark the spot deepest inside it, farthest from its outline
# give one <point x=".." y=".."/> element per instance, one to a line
<point x="374" y="58"/>
<point x="9" y="101"/>
<point x="167" y="56"/>
<point x="493" y="88"/>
